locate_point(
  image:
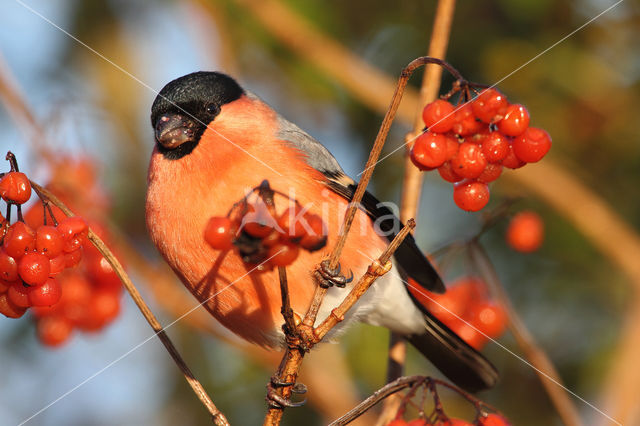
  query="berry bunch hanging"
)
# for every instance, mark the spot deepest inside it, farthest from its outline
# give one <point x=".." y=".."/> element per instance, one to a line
<point x="466" y="309"/>
<point x="470" y="144"/>
<point x="436" y="416"/>
<point x="32" y="257"/>
<point x="74" y="295"/>
<point x="262" y="236"/>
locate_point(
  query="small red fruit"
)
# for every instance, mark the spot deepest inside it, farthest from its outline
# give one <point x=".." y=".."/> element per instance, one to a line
<point x="8" y="267"/>
<point x="15" y="188"/>
<point x="490" y="105"/>
<point x="525" y="232"/>
<point x="283" y="254"/>
<point x="316" y="238"/>
<point x="438" y="116"/>
<point x="515" y="121"/>
<point x="34" y="268"/>
<point x="73" y="230"/>
<point x="489" y="318"/>
<point x="429" y="151"/>
<point x="48" y="241"/>
<point x="490" y="173"/>
<point x="532" y="145"/>
<point x="493" y="419"/>
<point x="447" y="173"/>
<point x="469" y="162"/>
<point x="471" y="195"/>
<point x="54" y="330"/>
<point x="219" y="233"/>
<point x="9" y="309"/>
<point x="19" y="295"/>
<point x="47" y="294"/>
<point x="292" y="222"/>
<point x="258" y="222"/>
<point x="495" y="146"/>
<point x="20" y="239"/>
<point x="72" y="258"/>
<point x="465" y="121"/>
<point x="511" y="161"/>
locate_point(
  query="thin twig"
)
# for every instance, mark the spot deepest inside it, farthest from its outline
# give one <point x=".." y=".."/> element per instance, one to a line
<point x="382" y="393"/>
<point x="412" y="181"/>
<point x="534" y="353"/>
<point x="378" y="144"/>
<point x="217" y="417"/>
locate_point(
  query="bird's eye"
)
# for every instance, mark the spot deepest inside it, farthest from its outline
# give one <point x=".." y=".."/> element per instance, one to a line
<point x="212" y="109"/>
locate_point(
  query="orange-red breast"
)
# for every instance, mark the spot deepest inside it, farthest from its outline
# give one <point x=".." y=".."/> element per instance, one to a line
<point x="214" y="141"/>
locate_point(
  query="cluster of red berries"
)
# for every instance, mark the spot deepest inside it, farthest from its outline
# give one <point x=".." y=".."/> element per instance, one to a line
<point x="262" y="236"/>
<point x="525" y="232"/>
<point x="40" y="256"/>
<point x="471" y="143"/>
<point x="31" y="259"/>
<point x="91" y="292"/>
<point x="490" y="419"/>
<point x="466" y="309"/>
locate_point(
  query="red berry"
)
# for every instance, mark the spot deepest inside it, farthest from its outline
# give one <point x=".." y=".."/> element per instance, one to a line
<point x="103" y="308"/>
<point x="417" y="422"/>
<point x="429" y="151"/>
<point x="525" y="232"/>
<point x="8" y="267"/>
<point x="76" y="295"/>
<point x="459" y="422"/>
<point x="34" y="268"/>
<point x="447" y="173"/>
<point x="511" y="160"/>
<point x="490" y="173"/>
<point x="469" y="162"/>
<point x="57" y="264"/>
<point x="219" y="233"/>
<point x="292" y="222"/>
<point x="258" y="222"/>
<point x="102" y="274"/>
<point x="316" y="238"/>
<point x="490" y="105"/>
<point x="4" y="286"/>
<point x="493" y="419"/>
<point x="47" y="294"/>
<point x="471" y="195"/>
<point x="54" y="330"/>
<point x="19" y="295"/>
<point x="532" y="145"/>
<point x="489" y="318"/>
<point x="449" y="306"/>
<point x="48" y="241"/>
<point x="20" y="239"/>
<point x="73" y="230"/>
<point x="438" y="116"/>
<point x="283" y="254"/>
<point x="72" y="258"/>
<point x="15" y="188"/>
<point x="495" y="146"/>
<point x="515" y="121"/>
<point x="465" y="121"/>
<point x="9" y="309"/>
<point x="452" y="146"/>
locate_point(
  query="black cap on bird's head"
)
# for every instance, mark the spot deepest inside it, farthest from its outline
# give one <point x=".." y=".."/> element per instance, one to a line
<point x="185" y="106"/>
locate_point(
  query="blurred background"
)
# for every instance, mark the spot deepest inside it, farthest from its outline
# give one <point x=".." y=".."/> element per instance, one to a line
<point x="90" y="92"/>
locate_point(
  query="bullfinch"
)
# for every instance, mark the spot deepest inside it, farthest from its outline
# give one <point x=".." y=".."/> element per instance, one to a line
<point x="214" y="141"/>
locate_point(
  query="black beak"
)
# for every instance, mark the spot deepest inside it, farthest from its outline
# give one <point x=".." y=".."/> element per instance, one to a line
<point x="172" y="130"/>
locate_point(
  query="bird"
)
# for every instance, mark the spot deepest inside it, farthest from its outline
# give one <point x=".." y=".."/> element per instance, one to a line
<point x="214" y="140"/>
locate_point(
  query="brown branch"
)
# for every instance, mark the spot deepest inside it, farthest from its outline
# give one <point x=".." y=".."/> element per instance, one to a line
<point x="412" y="181"/>
<point x="217" y="417"/>
<point x="382" y="393"/>
<point x="297" y="345"/>
<point x="543" y="366"/>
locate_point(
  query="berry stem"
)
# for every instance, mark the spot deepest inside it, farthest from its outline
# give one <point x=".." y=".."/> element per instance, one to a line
<point x="216" y="415"/>
<point x="12" y="161"/>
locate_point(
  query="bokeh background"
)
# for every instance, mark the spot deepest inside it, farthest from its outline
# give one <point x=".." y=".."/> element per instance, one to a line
<point x="96" y="102"/>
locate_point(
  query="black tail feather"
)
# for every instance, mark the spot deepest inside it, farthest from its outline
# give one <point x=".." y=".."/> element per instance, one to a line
<point x="458" y="361"/>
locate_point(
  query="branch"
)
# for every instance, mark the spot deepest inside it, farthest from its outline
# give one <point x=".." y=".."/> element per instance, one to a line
<point x="217" y="416"/>
<point x="544" y="368"/>
<point x="412" y="181"/>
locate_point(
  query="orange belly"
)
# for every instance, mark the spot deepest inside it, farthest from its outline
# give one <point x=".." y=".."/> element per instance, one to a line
<point x="183" y="194"/>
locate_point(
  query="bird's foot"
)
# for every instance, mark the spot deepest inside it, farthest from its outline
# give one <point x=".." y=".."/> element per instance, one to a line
<point x="276" y="400"/>
<point x="327" y="277"/>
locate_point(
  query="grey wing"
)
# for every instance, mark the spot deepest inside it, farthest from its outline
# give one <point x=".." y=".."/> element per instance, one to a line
<point x="409" y="257"/>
